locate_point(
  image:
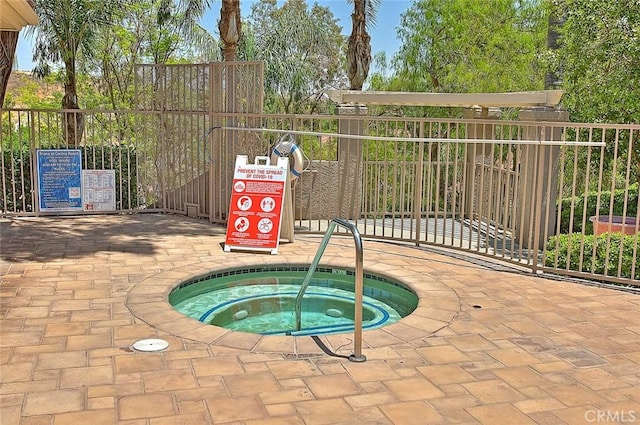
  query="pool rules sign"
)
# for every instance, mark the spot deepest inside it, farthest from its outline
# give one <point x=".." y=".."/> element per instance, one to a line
<point x="260" y="204"/>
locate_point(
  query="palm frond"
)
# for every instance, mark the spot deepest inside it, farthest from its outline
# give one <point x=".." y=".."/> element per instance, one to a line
<point x="194" y="9"/>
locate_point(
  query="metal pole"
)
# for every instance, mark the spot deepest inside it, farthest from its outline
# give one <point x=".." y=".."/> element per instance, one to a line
<point x="307" y="278"/>
<point x="357" y="355"/>
<point x="358" y="291"/>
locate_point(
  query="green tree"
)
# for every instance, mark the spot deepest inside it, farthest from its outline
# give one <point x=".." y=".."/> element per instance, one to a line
<point x="67" y="30"/>
<point x="303" y="50"/>
<point x="146" y="32"/>
<point x="177" y="32"/>
<point x="459" y="46"/>
<point x="598" y="59"/>
<point x="34" y="93"/>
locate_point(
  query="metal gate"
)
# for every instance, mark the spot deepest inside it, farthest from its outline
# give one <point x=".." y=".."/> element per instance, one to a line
<point x="187" y="102"/>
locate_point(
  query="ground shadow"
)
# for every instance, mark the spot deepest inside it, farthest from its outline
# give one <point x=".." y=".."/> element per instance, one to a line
<point x="48" y="238"/>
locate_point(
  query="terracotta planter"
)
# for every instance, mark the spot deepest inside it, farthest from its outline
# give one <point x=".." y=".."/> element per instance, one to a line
<point x="615" y="224"/>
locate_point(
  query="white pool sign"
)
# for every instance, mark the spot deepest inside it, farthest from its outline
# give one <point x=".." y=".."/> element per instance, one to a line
<point x="260" y="208"/>
<point x="99" y="190"/>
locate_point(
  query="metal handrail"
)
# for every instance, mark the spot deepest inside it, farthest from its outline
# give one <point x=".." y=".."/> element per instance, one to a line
<point x="539" y="141"/>
<point x="358" y="290"/>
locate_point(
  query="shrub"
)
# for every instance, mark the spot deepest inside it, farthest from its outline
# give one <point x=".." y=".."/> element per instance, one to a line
<point x="563" y="252"/>
<point x="590" y="207"/>
<point x="16" y="170"/>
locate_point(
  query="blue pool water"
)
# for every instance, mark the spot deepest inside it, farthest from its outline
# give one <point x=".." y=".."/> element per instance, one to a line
<point x="262" y="300"/>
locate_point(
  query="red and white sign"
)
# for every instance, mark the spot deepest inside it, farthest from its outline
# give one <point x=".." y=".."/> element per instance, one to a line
<point x="255" y="211"/>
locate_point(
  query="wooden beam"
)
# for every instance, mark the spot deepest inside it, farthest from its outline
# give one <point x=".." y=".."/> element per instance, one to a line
<point x="16" y="14"/>
<point x="514" y="99"/>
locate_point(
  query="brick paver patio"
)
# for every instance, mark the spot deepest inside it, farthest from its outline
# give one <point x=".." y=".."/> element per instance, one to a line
<point x="483" y="347"/>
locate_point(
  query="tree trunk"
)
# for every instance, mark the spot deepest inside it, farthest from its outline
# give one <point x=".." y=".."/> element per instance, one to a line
<point x="230" y="28"/>
<point x="8" y="43"/>
<point x="73" y="121"/>
<point x="359" y="47"/>
<point x="555" y="21"/>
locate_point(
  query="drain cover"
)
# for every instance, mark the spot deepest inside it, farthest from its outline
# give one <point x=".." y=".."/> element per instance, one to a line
<point x="149" y="345"/>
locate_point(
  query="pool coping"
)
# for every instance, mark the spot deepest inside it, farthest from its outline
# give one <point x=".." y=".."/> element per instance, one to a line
<point x="438" y="304"/>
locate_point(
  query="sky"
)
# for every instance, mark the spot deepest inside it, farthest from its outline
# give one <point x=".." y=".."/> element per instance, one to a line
<point x="383" y="35"/>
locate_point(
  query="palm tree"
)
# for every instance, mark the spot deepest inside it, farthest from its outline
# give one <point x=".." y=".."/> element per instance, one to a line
<point x="229" y="24"/>
<point x="67" y="29"/>
<point x="187" y="17"/>
<point x="230" y="27"/>
<point x="359" y="44"/>
<point x="8" y="43"/>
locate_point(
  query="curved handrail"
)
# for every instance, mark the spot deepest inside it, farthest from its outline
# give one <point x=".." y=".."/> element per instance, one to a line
<point x="358" y="290"/>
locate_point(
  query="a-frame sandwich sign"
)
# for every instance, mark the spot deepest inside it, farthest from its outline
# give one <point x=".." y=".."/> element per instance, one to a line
<point x="260" y="210"/>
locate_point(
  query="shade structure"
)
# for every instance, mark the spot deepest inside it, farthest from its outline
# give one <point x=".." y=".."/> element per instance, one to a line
<point x="16" y="14"/>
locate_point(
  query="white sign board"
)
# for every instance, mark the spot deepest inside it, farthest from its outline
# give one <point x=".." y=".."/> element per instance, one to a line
<point x="99" y="190"/>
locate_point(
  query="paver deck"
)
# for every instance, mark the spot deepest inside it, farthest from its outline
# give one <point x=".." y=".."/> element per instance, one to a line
<point x="483" y="347"/>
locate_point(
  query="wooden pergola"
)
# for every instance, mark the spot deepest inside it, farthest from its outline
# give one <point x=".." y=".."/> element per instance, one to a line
<point x="16" y="14"/>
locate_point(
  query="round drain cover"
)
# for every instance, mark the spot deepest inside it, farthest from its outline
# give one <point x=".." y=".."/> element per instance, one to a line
<point x="150" y="345"/>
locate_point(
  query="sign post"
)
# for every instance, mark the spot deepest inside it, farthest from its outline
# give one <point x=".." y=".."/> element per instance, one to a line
<point x="258" y="197"/>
